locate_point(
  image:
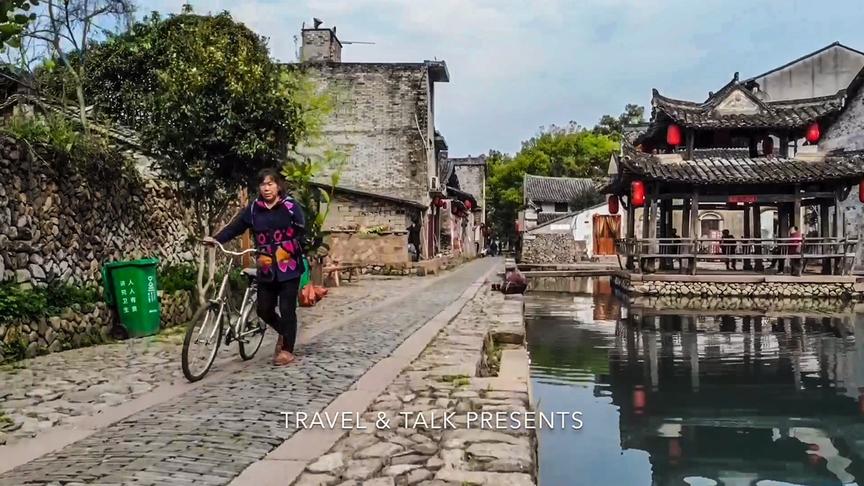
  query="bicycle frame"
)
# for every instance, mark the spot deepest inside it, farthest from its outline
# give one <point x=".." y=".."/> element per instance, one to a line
<point x="235" y="331"/>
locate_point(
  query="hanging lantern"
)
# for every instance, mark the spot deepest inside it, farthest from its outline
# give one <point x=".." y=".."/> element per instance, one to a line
<point x="813" y="133"/>
<point x="613" y="204"/>
<point x="768" y="146"/>
<point x="468" y="204"/>
<point x="639" y="400"/>
<point x="673" y="135"/>
<point x="861" y="191"/>
<point x="675" y="448"/>
<point x="637" y="194"/>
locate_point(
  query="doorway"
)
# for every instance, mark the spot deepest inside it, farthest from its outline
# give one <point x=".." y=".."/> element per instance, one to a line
<point x="607" y="228"/>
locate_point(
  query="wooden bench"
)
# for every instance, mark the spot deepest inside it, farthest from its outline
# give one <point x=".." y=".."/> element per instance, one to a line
<point x="335" y="270"/>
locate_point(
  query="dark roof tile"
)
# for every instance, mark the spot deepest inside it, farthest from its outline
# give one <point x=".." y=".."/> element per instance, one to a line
<point x="768" y="114"/>
<point x="736" y="168"/>
<point x="555" y="189"/>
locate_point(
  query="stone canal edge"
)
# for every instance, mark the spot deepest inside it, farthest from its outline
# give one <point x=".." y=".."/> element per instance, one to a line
<point x="469" y="357"/>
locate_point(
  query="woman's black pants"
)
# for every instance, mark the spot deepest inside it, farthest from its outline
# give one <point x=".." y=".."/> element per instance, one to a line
<point x="285" y="323"/>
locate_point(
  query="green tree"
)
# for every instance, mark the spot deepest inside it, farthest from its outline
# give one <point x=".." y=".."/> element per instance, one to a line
<point x="63" y="33"/>
<point x="205" y="95"/>
<point x="14" y="20"/>
<point x="570" y="151"/>
<point x="614" y="126"/>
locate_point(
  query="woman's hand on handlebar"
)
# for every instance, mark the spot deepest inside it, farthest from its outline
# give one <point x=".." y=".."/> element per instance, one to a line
<point x="209" y="241"/>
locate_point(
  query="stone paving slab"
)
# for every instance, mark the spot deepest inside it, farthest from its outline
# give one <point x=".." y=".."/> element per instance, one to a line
<point x="445" y="378"/>
<point x="211" y="434"/>
<point x="43" y="393"/>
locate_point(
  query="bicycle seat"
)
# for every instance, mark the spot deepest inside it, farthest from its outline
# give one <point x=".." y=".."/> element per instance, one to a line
<point x="250" y="272"/>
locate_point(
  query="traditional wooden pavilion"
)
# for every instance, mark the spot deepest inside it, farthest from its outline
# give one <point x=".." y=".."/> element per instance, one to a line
<point x="721" y="154"/>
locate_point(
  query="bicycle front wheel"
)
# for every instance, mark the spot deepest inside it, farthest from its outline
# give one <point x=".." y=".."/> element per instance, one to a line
<point x="201" y="344"/>
<point x="253" y="331"/>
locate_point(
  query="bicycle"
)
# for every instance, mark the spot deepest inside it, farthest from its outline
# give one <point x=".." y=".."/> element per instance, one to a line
<point x="216" y="322"/>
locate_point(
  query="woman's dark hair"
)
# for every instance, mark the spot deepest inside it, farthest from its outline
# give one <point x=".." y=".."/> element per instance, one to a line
<point x="274" y="174"/>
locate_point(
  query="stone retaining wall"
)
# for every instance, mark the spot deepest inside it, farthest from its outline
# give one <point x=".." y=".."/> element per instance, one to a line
<point x="79" y="326"/>
<point x="552" y="248"/>
<point x="64" y="224"/>
<point x="369" y="249"/>
<point x="421" y="269"/>
<point x="745" y="289"/>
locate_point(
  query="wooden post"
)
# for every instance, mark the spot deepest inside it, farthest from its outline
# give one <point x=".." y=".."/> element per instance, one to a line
<point x="747" y="264"/>
<point x="784" y="145"/>
<point x="757" y="233"/>
<point x="631" y="233"/>
<point x="694" y="228"/>
<point x="783" y="217"/>
<point x="796" y="222"/>
<point x="840" y="233"/>
<point x="667" y="232"/>
<point x="643" y="246"/>
<point x="652" y="226"/>
<point x="685" y="233"/>
<point x="825" y="232"/>
<point x="796" y="214"/>
<point x="246" y="239"/>
<point x="691" y="140"/>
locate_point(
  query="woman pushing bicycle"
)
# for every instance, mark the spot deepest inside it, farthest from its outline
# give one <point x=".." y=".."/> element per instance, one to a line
<point x="278" y="226"/>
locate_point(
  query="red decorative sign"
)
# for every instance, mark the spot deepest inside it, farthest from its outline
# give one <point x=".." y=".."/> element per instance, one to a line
<point x="742" y="199"/>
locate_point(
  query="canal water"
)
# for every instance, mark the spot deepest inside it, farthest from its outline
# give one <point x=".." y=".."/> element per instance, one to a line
<point x="696" y="393"/>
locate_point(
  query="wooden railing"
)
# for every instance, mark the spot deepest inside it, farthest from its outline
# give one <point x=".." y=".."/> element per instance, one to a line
<point x="836" y="253"/>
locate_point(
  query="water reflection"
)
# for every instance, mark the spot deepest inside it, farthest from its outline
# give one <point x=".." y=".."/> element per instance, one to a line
<point x="677" y="397"/>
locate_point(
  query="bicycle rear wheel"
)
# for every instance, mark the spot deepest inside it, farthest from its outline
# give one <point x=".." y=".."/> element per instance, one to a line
<point x="251" y="343"/>
<point x="201" y="344"/>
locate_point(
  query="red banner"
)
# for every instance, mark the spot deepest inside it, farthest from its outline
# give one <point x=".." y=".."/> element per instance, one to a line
<point x="742" y="199"/>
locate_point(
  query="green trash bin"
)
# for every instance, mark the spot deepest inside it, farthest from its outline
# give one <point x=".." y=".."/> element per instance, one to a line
<point x="132" y="288"/>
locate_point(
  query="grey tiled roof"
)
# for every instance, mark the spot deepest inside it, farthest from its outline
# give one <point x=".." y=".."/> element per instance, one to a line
<point x="543" y="218"/>
<point x="736" y="167"/>
<point x="555" y="189"/>
<point x="634" y="131"/>
<point x="771" y="114"/>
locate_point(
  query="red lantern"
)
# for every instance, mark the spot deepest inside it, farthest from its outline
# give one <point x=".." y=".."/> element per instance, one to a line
<point x="673" y="135"/>
<point x="768" y="146"/>
<point x="861" y="191"/>
<point x="639" y="398"/>
<point x="637" y="194"/>
<point x="613" y="204"/>
<point x="468" y="204"/>
<point x="675" y="449"/>
<point x="813" y="133"/>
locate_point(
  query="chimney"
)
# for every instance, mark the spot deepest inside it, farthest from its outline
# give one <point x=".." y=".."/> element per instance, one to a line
<point x="320" y="44"/>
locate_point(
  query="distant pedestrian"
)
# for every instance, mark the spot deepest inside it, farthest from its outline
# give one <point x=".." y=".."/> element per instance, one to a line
<point x="728" y="245"/>
<point x="795" y="249"/>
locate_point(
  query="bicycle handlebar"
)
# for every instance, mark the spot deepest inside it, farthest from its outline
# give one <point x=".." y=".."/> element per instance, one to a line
<point x="229" y="252"/>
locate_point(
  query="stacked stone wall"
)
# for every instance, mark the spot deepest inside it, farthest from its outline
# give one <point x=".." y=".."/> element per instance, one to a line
<point x="727" y="289"/>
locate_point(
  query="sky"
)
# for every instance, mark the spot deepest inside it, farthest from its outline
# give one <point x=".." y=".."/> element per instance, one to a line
<point x="519" y="65"/>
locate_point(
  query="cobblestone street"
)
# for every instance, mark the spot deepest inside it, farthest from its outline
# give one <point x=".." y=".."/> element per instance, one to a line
<point x="447" y="378"/>
<point x="61" y="388"/>
<point x="214" y="431"/>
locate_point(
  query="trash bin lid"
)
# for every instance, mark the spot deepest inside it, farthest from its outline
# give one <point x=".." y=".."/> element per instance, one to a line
<point x="144" y="262"/>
